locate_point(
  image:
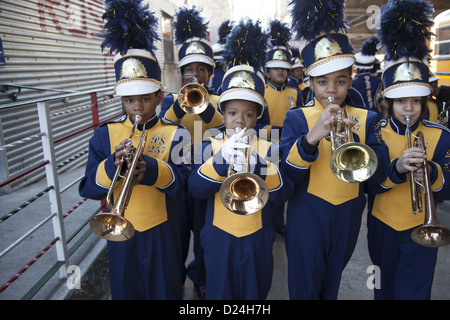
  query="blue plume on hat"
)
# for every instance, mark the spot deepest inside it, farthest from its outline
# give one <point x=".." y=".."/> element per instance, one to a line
<point x="295" y="52"/>
<point x="224" y="30"/>
<point x="310" y="18"/>
<point x="280" y="33"/>
<point x="129" y="24"/>
<point x="247" y="45"/>
<point x="369" y="47"/>
<point x="189" y="24"/>
<point x="404" y="28"/>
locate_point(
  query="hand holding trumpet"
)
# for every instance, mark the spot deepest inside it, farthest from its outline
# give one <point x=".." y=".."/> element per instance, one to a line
<point x="324" y="124"/>
<point x="122" y="153"/>
<point x="233" y="150"/>
<point x="411" y="160"/>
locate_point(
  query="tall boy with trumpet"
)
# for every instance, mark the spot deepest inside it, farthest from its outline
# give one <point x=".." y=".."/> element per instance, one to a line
<point x="145" y="266"/>
<point x="405" y="252"/>
<point x="324" y="213"/>
<point x="238" y="234"/>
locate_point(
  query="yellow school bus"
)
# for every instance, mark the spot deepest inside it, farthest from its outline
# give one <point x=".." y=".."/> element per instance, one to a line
<point x="440" y="62"/>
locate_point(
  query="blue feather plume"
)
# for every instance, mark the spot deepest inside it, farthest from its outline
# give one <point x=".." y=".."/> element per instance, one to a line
<point x="247" y="45"/>
<point x="224" y="30"/>
<point x="310" y="18"/>
<point x="295" y="52"/>
<point x="369" y="47"/>
<point x="129" y="24"/>
<point x="189" y="24"/>
<point x="280" y="33"/>
<point x="404" y="28"/>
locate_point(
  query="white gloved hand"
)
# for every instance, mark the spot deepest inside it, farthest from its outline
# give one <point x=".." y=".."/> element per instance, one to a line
<point x="233" y="147"/>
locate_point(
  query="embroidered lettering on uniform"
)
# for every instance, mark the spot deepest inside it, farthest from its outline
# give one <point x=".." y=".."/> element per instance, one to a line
<point x="157" y="145"/>
<point x="290" y="101"/>
<point x="376" y="129"/>
<point x="368" y="91"/>
<point x="357" y="126"/>
<point x="447" y="165"/>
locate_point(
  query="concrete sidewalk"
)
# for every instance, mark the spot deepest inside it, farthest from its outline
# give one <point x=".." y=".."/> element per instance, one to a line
<point x="92" y="261"/>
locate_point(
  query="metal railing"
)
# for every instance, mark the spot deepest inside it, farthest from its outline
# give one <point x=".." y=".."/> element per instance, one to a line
<point x="60" y="239"/>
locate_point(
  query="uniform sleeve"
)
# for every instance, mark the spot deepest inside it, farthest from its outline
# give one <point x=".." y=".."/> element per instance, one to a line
<point x="375" y="140"/>
<point x="279" y="185"/>
<point x="166" y="104"/>
<point x="393" y="179"/>
<point x="299" y="97"/>
<point x="295" y="161"/>
<point x="209" y="172"/>
<point x="100" y="166"/>
<point x="440" y="177"/>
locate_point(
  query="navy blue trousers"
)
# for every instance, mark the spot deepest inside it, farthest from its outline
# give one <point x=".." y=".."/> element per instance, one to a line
<point x="147" y="266"/>
<point x="238" y="268"/>
<point x="320" y="240"/>
<point x="407" y="269"/>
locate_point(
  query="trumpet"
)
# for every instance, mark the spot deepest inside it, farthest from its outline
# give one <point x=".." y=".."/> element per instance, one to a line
<point x="416" y="189"/>
<point x="193" y="98"/>
<point x="351" y="161"/>
<point x="431" y="233"/>
<point x="243" y="193"/>
<point x="113" y="225"/>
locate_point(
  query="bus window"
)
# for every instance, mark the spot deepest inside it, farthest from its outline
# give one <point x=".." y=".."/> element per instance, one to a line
<point x="440" y="62"/>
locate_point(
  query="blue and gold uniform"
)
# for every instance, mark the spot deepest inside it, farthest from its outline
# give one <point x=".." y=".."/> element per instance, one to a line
<point x="196" y="59"/>
<point x="278" y="95"/>
<point x="280" y="101"/>
<point x="330" y="208"/>
<point x="147" y="265"/>
<point x="151" y="208"/>
<point x="323" y="215"/>
<point x="366" y="85"/>
<point x="390" y="221"/>
<point x="209" y="119"/>
<point x="238" y="248"/>
<point x="406" y="267"/>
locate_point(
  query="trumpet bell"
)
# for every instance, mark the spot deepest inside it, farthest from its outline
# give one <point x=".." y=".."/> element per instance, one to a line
<point x="432" y="236"/>
<point x="353" y="162"/>
<point x="193" y="98"/>
<point x="112" y="227"/>
<point x="244" y="193"/>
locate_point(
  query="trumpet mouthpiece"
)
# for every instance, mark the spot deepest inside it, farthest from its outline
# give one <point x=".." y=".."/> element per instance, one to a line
<point x="331" y="99"/>
<point x="137" y="118"/>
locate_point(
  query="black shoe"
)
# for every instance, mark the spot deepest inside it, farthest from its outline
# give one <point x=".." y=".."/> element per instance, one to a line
<point x="201" y="292"/>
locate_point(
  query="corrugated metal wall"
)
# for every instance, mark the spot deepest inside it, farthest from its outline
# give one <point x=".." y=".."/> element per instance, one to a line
<point x="52" y="46"/>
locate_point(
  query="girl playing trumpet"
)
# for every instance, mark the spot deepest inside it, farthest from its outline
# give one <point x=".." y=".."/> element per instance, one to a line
<point x="406" y="267"/>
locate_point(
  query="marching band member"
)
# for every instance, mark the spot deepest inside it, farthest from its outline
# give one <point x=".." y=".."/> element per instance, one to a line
<point x="238" y="248"/>
<point x="279" y="96"/>
<point x="296" y="77"/>
<point x="365" y="85"/>
<point x="407" y="268"/>
<point x="196" y="63"/>
<point x="433" y="109"/>
<point x="323" y="213"/>
<point x="147" y="265"/>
